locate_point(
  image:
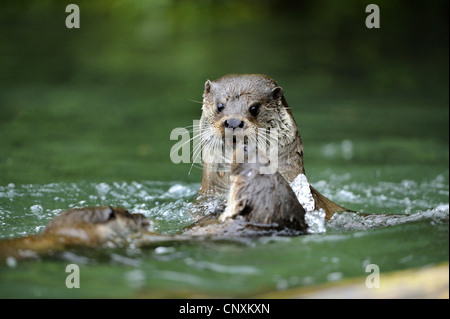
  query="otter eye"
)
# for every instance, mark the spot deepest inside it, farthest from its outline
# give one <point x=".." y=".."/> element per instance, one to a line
<point x="220" y="107"/>
<point x="254" y="109"/>
<point x="112" y="215"/>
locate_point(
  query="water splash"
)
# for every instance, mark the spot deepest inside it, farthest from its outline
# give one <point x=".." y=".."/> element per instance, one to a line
<point x="316" y="221"/>
<point x="302" y="190"/>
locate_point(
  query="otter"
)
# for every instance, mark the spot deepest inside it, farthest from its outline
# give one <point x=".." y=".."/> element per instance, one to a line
<point x="259" y="202"/>
<point x="266" y="199"/>
<point x="249" y="103"/>
<point x="90" y="226"/>
<point x="115" y="226"/>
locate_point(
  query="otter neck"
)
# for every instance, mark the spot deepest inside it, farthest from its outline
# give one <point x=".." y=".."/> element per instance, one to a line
<point x="216" y="176"/>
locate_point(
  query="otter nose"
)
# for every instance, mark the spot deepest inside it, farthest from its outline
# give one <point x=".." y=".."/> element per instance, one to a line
<point x="233" y="123"/>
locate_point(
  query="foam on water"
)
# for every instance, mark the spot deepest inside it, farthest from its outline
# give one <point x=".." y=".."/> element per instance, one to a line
<point x="316" y="221"/>
<point x="394" y="203"/>
<point x="36" y="209"/>
<point x="25" y="209"/>
<point x="406" y="196"/>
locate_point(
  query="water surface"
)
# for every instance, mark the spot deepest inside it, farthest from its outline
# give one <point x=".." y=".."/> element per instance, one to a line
<point x="416" y="236"/>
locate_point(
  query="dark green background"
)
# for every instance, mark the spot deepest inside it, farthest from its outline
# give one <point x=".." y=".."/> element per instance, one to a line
<point x="99" y="102"/>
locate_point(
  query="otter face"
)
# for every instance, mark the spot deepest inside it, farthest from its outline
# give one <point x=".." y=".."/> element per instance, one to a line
<point x="123" y="222"/>
<point x="96" y="224"/>
<point x="243" y="104"/>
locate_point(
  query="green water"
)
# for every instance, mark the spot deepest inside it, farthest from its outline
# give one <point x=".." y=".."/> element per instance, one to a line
<point x="85" y="119"/>
<point x="221" y="269"/>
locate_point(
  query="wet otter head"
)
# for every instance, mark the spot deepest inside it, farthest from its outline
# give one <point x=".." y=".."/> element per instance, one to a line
<point x="95" y="224"/>
<point x="253" y="107"/>
<point x="261" y="198"/>
<point x="246" y="102"/>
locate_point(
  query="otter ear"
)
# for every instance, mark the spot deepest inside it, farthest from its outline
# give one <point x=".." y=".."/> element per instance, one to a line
<point x="111" y="214"/>
<point x="207" y="86"/>
<point x="101" y="214"/>
<point x="242" y="205"/>
<point x="277" y="93"/>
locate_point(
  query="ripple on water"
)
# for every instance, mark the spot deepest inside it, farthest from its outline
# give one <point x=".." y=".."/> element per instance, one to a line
<point x="354" y="221"/>
<point x="225" y="269"/>
<point x="170" y="203"/>
<point x="406" y="196"/>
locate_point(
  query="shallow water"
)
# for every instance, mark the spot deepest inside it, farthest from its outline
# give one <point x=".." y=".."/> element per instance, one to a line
<point x="416" y="236"/>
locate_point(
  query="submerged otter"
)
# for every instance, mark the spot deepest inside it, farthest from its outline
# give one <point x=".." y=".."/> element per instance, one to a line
<point x="91" y="226"/>
<point x="262" y="198"/>
<point x="115" y="226"/>
<point x="249" y="103"/>
<point x="259" y="203"/>
<point x="111" y="226"/>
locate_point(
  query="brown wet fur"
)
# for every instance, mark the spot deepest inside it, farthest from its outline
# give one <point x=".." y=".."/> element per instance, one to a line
<point x="266" y="199"/>
<point x="237" y="92"/>
<point x="258" y="204"/>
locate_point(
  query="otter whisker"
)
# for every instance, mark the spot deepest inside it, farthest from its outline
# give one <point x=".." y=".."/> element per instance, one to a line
<point x="181" y="145"/>
<point x="188" y="141"/>
<point x="196" y="152"/>
<point x="190" y="100"/>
